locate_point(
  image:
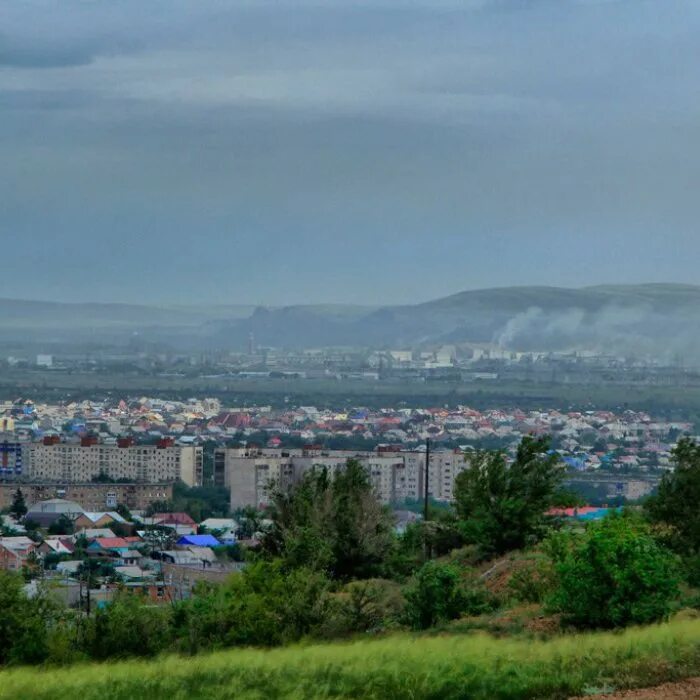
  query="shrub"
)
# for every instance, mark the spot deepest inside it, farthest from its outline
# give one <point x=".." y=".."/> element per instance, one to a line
<point x="614" y="574"/>
<point x="127" y="626"/>
<point x="438" y="594"/>
<point x="363" y="606"/>
<point x="534" y="581"/>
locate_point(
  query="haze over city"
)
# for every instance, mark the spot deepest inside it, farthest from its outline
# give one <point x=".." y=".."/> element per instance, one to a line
<point x="367" y="152"/>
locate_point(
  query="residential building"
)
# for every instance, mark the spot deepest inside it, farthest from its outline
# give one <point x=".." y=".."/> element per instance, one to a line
<point x="53" y="460"/>
<point x="397" y="475"/>
<point x="91" y="495"/>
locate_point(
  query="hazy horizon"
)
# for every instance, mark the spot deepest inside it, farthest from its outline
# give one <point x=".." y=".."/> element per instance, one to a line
<point x="361" y="152"/>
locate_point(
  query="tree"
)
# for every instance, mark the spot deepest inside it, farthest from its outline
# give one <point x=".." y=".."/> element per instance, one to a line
<point x="336" y="524"/>
<point x="124" y="511"/>
<point x="61" y="526"/>
<point x="502" y="506"/>
<point x="677" y="498"/>
<point x="435" y="595"/>
<point x="612" y="575"/>
<point x="265" y="605"/>
<point x="18" y="509"/>
<point x="24" y="622"/>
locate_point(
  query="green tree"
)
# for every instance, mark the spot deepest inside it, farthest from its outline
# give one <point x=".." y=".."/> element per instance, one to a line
<point x="677" y="498"/>
<point x="18" y="509"/>
<point x="24" y="622"/>
<point x="124" y="511"/>
<point x="502" y="506"/>
<point x="61" y="526"/>
<point x="265" y="605"/>
<point x="128" y="626"/>
<point x="336" y="524"/>
<point x="435" y="595"/>
<point x="612" y="575"/>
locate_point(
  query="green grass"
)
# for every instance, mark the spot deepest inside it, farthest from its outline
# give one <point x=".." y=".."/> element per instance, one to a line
<point x="401" y="666"/>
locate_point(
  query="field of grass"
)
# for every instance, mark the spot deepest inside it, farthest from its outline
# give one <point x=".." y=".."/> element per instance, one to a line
<point x="677" y="402"/>
<point x="403" y="666"/>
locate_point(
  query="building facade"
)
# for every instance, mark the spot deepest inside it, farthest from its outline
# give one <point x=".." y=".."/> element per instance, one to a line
<point x="66" y="463"/>
<point x="397" y="475"/>
<point x="91" y="496"/>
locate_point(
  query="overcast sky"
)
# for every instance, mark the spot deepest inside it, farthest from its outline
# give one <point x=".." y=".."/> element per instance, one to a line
<point x="376" y="151"/>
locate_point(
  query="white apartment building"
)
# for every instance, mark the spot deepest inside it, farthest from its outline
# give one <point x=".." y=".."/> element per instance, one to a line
<point x="68" y="463"/>
<point x="397" y="475"/>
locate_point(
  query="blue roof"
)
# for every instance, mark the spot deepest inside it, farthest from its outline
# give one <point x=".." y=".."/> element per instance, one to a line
<point x="199" y="541"/>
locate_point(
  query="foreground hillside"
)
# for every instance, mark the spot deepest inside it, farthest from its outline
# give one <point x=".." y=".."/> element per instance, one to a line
<point x="393" y="667"/>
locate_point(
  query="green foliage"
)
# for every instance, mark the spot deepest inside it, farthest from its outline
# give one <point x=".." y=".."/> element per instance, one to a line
<point x="18" y="509"/>
<point x="199" y="502"/>
<point x="124" y="511"/>
<point x="336" y="524"/>
<point x="677" y="498"/>
<point x="23" y="622"/>
<point x="61" y="526"/>
<point x="261" y="606"/>
<point x="435" y="595"/>
<point x="472" y="666"/>
<point x="614" y="574"/>
<point x="127" y="626"/>
<point x="421" y="541"/>
<point x="534" y="581"/>
<point x="502" y="505"/>
<point x="363" y="606"/>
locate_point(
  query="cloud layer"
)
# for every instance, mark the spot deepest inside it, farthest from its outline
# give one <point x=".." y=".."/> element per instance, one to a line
<point x="367" y="151"/>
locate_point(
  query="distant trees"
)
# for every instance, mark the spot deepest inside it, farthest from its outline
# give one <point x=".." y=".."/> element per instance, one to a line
<point x="337" y="525"/>
<point x="18" y="509"/>
<point x="502" y="506"/>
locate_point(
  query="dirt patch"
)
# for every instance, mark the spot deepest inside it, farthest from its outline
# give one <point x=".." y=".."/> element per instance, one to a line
<point x="669" y="691"/>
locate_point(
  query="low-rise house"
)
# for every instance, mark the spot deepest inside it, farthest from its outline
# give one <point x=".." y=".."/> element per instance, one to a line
<point x="198" y="541"/>
<point x="15" y="552"/>
<point x="98" y="520"/>
<point x="55" y="545"/>
<point x="181" y="523"/>
<point x="93" y="533"/>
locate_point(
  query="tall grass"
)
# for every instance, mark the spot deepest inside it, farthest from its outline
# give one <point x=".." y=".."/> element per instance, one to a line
<point x="402" y="666"/>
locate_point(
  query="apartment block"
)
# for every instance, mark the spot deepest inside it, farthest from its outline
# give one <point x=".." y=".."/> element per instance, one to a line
<point x="397" y="475"/>
<point x="60" y="462"/>
<point x="91" y="496"/>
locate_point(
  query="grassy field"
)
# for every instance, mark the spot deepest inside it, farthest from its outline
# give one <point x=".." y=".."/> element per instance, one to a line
<point x="678" y="402"/>
<point x="403" y="666"/>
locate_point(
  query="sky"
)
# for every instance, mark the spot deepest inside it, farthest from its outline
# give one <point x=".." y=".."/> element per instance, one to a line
<point x="367" y="151"/>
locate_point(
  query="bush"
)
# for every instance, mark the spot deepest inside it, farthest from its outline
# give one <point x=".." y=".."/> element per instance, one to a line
<point x="614" y="574"/>
<point x="24" y="622"/>
<point x="438" y="594"/>
<point x="534" y="581"/>
<point x="262" y="606"/>
<point x="363" y="606"/>
<point x="127" y="626"/>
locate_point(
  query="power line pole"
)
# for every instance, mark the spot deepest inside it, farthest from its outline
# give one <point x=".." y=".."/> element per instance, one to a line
<point x="427" y="479"/>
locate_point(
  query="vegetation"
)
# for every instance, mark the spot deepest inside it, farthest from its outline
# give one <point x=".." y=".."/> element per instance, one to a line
<point x="18" y="508"/>
<point x="474" y="666"/>
<point x="334" y="524"/>
<point x="613" y="574"/>
<point x="676" y="502"/>
<point x="502" y="506"/>
<point x="331" y="567"/>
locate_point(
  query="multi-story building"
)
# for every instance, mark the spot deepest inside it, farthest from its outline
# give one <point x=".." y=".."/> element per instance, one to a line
<point x="91" y="496"/>
<point x="397" y="475"/>
<point x="59" y="462"/>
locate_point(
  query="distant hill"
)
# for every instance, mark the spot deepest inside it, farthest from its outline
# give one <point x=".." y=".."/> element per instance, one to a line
<point x="658" y="319"/>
